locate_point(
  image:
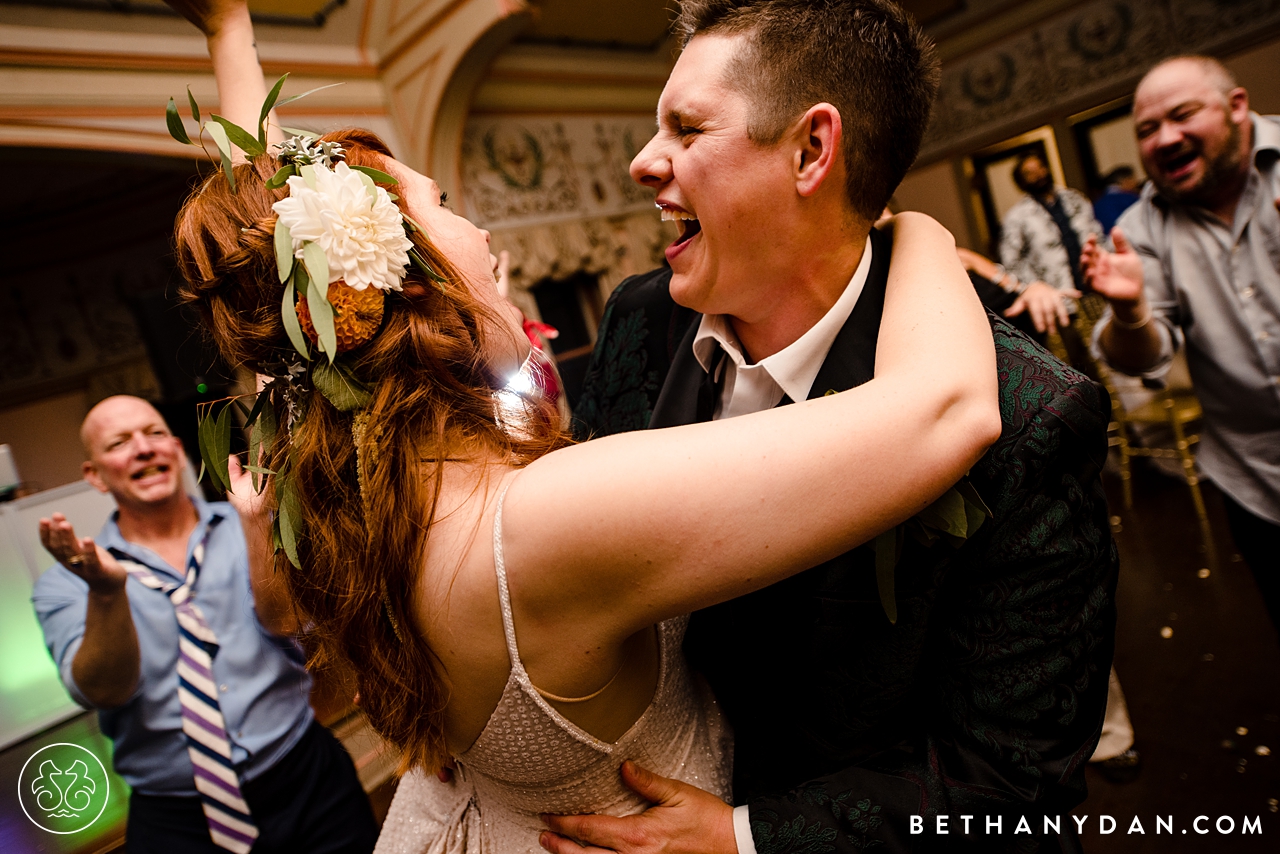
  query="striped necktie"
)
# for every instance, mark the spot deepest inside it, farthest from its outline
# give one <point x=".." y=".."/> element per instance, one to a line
<point x="230" y="824"/>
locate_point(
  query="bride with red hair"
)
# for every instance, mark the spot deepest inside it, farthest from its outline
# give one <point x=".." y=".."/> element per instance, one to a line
<point x="534" y="644"/>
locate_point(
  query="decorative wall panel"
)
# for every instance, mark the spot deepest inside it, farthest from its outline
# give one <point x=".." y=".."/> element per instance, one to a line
<point x="530" y="170"/>
<point x="73" y="320"/>
<point x="1088" y="54"/>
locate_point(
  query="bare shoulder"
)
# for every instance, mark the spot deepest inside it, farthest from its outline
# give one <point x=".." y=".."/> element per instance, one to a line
<point x="457" y="606"/>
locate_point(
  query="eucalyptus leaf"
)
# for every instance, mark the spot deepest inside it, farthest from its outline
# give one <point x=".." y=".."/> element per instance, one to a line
<point x="247" y="142"/>
<point x="977" y="509"/>
<point x="259" y="401"/>
<point x="268" y="424"/>
<point x="176" y="129"/>
<point x="221" y="447"/>
<point x="220" y="139"/>
<point x="195" y="108"/>
<point x="376" y="174"/>
<point x="947" y="515"/>
<point x="318" y="298"/>
<point x="293" y="98"/>
<point x="200" y="476"/>
<point x="258" y="470"/>
<point x="261" y="438"/>
<point x="289" y="316"/>
<point x="276" y="544"/>
<point x="281" y="177"/>
<point x="266" y="108"/>
<point x="308" y="173"/>
<point x="288" y="514"/>
<point x="204" y="435"/>
<point x="284" y="251"/>
<point x="340" y="388"/>
<point x="369" y="186"/>
<point x="309" y="134"/>
<point x="425" y="267"/>
<point x="886" y="561"/>
<point x="255" y="453"/>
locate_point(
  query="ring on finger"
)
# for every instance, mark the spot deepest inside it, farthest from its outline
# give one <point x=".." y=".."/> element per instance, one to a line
<point x="75" y="560"/>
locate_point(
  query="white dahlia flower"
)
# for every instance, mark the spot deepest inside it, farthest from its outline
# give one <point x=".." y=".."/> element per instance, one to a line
<point x="362" y="236"/>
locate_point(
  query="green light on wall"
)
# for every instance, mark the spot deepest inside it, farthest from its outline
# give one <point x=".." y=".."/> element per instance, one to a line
<point x="26" y="661"/>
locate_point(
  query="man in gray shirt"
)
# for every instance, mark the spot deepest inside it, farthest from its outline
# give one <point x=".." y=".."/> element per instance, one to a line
<point x="1198" y="261"/>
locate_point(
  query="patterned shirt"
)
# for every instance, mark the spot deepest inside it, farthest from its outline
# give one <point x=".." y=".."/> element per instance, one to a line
<point x="1216" y="287"/>
<point x="1031" y="245"/>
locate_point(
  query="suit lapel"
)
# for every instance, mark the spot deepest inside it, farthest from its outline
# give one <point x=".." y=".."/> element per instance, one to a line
<point x="689" y="393"/>
<point x="852" y="358"/>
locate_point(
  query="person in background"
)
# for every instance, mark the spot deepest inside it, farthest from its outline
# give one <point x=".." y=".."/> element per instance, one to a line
<point x="158" y="625"/>
<point x="1040" y="242"/>
<point x="1123" y="186"/>
<point x="1001" y="292"/>
<point x="1200" y="245"/>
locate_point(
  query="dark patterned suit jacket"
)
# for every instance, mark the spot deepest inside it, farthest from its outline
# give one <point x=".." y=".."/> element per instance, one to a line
<point x="987" y="696"/>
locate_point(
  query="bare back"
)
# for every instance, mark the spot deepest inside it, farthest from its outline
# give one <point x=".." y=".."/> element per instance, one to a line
<point x="460" y="604"/>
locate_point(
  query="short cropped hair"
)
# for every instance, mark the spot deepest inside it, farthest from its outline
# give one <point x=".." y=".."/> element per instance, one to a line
<point x="867" y="58"/>
<point x="1218" y="74"/>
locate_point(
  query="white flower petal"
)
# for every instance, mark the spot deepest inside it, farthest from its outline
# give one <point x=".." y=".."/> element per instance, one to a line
<point x="363" y="238"/>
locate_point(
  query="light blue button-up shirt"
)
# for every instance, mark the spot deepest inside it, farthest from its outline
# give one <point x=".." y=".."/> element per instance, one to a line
<point x="1216" y="288"/>
<point x="263" y="685"/>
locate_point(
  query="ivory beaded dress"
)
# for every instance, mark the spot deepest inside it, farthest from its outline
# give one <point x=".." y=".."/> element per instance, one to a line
<point x="529" y="760"/>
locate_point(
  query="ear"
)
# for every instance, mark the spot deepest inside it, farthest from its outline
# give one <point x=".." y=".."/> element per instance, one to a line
<point x="90" y="474"/>
<point x="1238" y="104"/>
<point x="817" y="153"/>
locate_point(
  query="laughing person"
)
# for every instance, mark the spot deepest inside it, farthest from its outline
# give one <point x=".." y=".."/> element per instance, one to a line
<point x="223" y="754"/>
<point x="782" y="131"/>
<point x="1201" y="245"/>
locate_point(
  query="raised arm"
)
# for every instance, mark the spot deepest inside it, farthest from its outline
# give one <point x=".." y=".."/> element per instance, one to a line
<point x="271" y="601"/>
<point x="652" y="524"/>
<point x="241" y="88"/>
<point x="106" y="666"/>
<point x="1130" y="341"/>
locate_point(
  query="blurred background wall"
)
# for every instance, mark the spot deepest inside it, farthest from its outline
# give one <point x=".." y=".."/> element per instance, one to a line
<point x="528" y="113"/>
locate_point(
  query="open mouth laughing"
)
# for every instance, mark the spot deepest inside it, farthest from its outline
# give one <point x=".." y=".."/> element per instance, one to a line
<point x="686" y="222"/>
<point x="149" y="471"/>
<point x="1178" y="164"/>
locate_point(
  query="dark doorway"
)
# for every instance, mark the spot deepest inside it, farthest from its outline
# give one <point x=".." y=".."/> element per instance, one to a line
<point x="573" y="306"/>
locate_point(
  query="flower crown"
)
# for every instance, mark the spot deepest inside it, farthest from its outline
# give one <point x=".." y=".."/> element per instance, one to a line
<point x="341" y="243"/>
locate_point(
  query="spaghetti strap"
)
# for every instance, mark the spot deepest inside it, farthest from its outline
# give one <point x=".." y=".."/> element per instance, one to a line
<point x="508" y="621"/>
<point x="504" y="593"/>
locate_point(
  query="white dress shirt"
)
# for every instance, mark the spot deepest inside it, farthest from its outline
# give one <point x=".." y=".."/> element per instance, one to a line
<point x="746" y="387"/>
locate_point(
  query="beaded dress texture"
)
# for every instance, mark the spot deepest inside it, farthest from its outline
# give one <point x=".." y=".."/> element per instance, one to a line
<point x="529" y="760"/>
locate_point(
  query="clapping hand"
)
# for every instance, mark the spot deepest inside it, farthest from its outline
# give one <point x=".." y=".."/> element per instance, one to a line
<point x="1114" y="275"/>
<point x="97" y="567"/>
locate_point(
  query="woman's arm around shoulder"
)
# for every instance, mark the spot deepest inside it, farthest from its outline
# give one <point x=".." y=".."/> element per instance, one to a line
<point x="655" y="523"/>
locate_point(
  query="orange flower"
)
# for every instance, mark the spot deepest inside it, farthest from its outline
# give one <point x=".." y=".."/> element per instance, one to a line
<point x="356" y="315"/>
